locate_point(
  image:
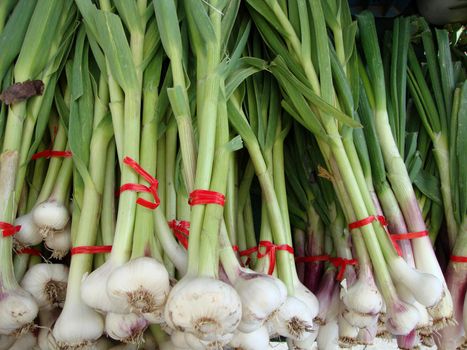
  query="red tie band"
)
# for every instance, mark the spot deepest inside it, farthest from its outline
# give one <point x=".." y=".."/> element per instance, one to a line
<point x="235" y="248"/>
<point x="339" y="263"/>
<point x="181" y="231"/>
<point x="91" y="249"/>
<point x="406" y="236"/>
<point x="152" y="188"/>
<point x="394" y="237"/>
<point x="29" y="251"/>
<point x="270" y="251"/>
<point x="459" y="259"/>
<point x="198" y="197"/>
<point x="367" y="221"/>
<point x="247" y="253"/>
<point x="51" y="154"/>
<point x="9" y="229"/>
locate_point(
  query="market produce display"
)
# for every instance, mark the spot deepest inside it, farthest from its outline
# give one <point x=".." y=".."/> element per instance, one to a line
<point x="221" y="174"/>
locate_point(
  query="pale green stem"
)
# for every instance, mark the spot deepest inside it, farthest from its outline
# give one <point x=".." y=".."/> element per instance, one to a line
<point x="108" y="198"/>
<point x="8" y="166"/>
<point x="55" y="163"/>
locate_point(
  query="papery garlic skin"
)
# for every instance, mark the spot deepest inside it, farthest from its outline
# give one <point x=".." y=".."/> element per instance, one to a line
<point x="140" y="286"/>
<point x="347" y="333"/>
<point x="127" y="328"/>
<point x="294" y="319"/>
<point x="401" y="318"/>
<point x="406" y="296"/>
<point x="205" y="307"/>
<point x="29" y="233"/>
<point x="359" y="320"/>
<point x="94" y="289"/>
<point x="178" y="339"/>
<point x="261" y="295"/>
<point x="432" y="290"/>
<point x="328" y="336"/>
<point x="59" y="242"/>
<point x="308" y="298"/>
<point x="78" y="325"/>
<point x="306" y="344"/>
<point x="47" y="283"/>
<point x="362" y="297"/>
<point x="50" y="216"/>
<point x="256" y="340"/>
<point x="17" y="310"/>
<point x="218" y="343"/>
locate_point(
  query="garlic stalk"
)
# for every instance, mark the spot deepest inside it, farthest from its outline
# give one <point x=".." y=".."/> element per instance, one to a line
<point x="46" y="283"/>
<point x="328" y="335"/>
<point x="324" y="295"/>
<point x="17" y="307"/>
<point x="200" y="304"/>
<point x="47" y="317"/>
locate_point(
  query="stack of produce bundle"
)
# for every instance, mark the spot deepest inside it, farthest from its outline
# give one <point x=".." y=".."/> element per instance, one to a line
<point x="138" y="137"/>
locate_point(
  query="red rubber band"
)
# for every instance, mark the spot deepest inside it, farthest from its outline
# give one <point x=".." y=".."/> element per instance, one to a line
<point x="316" y="258"/>
<point x="235" y="248"/>
<point x="48" y="153"/>
<point x="198" y="197"/>
<point x="458" y="259"/>
<point x="341" y="264"/>
<point x="247" y="253"/>
<point x="410" y="235"/>
<point x="181" y="231"/>
<point x="29" y="251"/>
<point x="270" y="251"/>
<point x="367" y="221"/>
<point x="91" y="249"/>
<point x="9" y="229"/>
<point x="152" y="188"/>
<point x="383" y="222"/>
